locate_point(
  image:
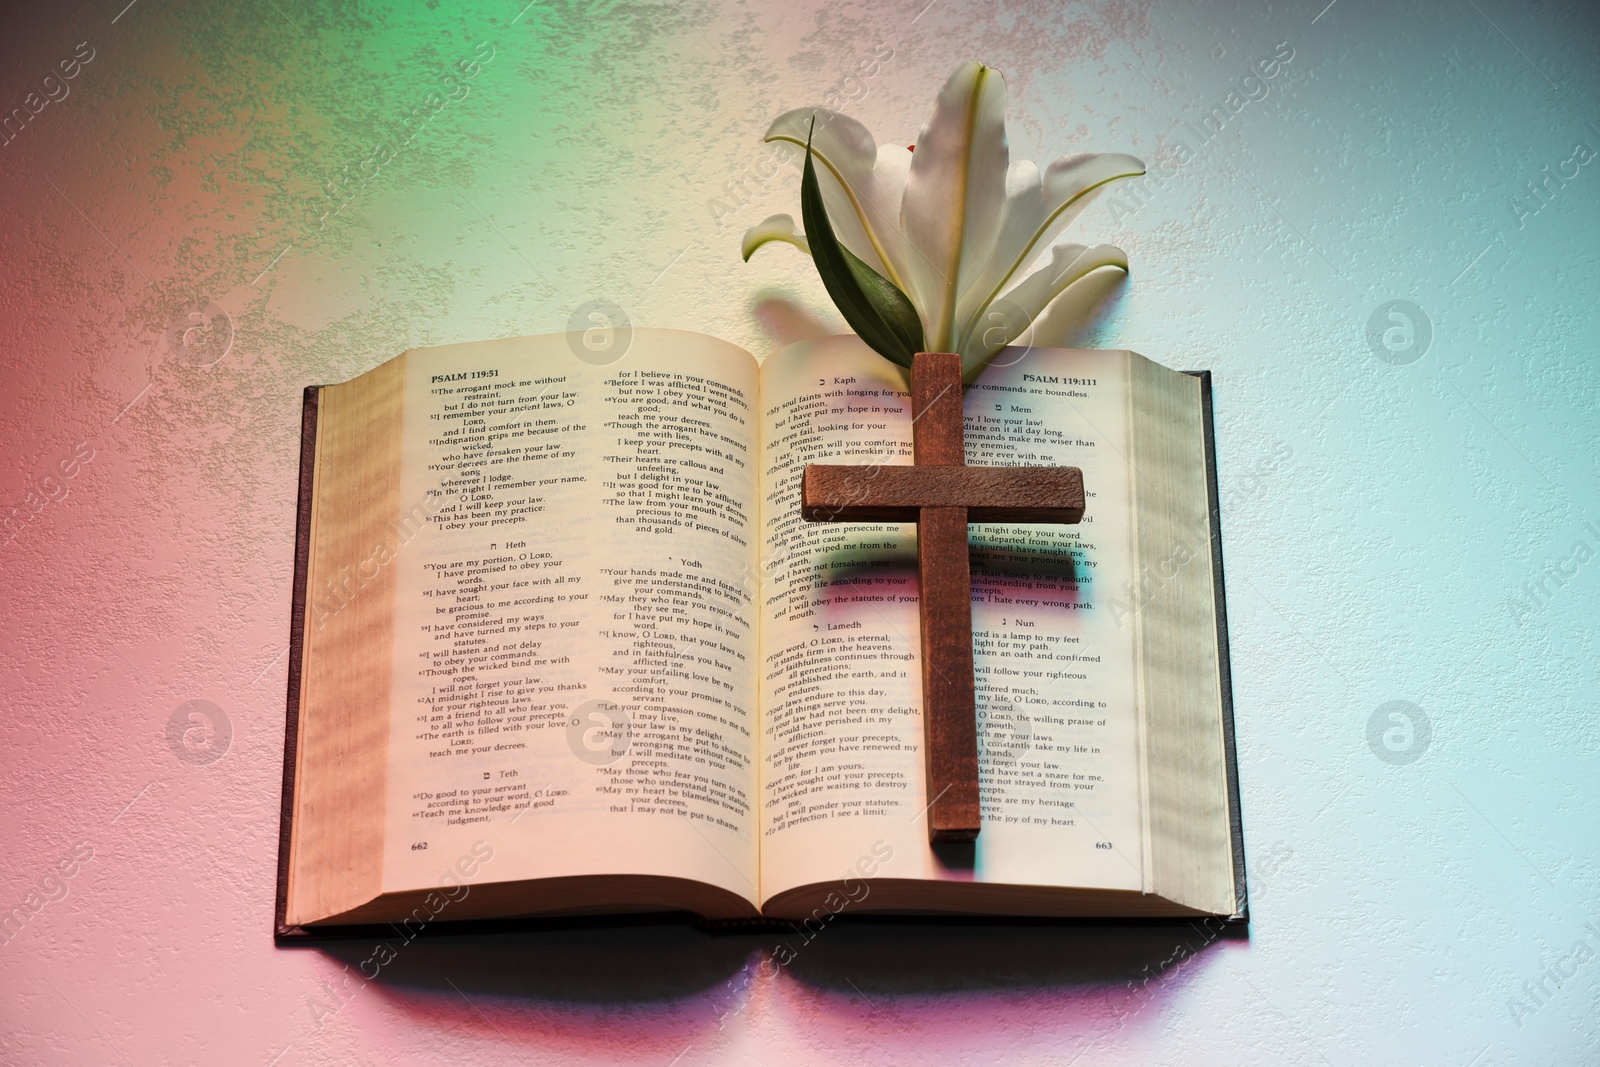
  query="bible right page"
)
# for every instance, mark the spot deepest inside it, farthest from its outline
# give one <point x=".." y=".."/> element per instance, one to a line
<point x="842" y="781"/>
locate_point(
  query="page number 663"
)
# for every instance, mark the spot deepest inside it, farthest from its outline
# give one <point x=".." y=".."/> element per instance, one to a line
<point x="1097" y="844"/>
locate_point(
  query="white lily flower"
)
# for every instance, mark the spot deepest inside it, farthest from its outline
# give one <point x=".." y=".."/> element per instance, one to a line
<point x="953" y="224"/>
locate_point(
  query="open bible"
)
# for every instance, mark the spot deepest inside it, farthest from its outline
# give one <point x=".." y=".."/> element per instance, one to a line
<point x="563" y="644"/>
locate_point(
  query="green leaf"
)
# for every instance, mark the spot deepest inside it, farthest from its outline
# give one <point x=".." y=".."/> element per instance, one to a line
<point x="872" y="305"/>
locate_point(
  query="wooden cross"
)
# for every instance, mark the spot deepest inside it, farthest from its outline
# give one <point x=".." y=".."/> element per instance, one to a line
<point x="941" y="495"/>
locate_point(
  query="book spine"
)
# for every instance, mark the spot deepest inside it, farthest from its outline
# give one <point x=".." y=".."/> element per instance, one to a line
<point x="297" y="617"/>
<point x="1224" y="669"/>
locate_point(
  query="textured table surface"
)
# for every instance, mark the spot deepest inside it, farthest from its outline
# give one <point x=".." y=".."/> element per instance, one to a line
<point x="1409" y="495"/>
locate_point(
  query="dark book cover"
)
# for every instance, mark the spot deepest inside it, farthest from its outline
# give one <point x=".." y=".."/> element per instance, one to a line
<point x="297" y="626"/>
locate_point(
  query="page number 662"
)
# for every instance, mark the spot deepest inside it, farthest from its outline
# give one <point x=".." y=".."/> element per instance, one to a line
<point x="420" y="845"/>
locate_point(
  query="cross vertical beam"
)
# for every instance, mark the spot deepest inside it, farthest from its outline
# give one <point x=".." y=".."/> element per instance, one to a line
<point x="949" y="705"/>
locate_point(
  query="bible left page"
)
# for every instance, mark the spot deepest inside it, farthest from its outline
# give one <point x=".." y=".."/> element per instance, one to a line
<point x="573" y="689"/>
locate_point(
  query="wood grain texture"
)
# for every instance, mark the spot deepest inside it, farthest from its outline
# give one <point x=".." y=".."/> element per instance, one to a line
<point x="949" y="705"/>
<point x="937" y="436"/>
<point x="897" y="493"/>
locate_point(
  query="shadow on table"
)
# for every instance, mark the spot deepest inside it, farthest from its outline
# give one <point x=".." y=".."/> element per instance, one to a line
<point x="903" y="958"/>
<point x="604" y="963"/>
<point x="671" y="960"/>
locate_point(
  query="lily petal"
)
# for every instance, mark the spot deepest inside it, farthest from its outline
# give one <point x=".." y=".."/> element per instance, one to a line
<point x="880" y="203"/>
<point x="954" y="194"/>
<point x="1068" y="263"/>
<point x="776" y="228"/>
<point x="1036" y="210"/>
<point x="864" y="211"/>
